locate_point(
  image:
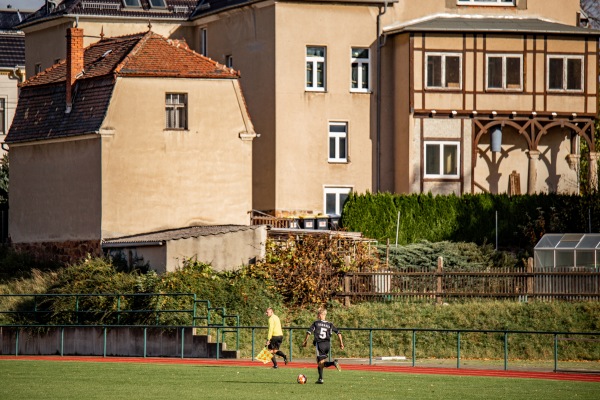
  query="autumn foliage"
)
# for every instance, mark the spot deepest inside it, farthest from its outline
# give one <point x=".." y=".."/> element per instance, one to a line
<point x="309" y="270"/>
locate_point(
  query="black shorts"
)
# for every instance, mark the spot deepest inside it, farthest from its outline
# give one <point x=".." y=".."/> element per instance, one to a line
<point x="322" y="350"/>
<point x="275" y="342"/>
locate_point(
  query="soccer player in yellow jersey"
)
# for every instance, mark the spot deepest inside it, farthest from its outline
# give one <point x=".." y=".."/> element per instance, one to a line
<point x="275" y="337"/>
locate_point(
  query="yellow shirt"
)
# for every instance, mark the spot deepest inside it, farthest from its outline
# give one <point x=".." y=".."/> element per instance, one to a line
<point x="274" y="327"/>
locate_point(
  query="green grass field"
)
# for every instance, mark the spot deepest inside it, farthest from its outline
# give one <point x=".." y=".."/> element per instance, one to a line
<point x="30" y="380"/>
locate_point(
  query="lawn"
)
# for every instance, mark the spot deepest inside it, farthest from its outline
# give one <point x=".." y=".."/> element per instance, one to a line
<point x="90" y="380"/>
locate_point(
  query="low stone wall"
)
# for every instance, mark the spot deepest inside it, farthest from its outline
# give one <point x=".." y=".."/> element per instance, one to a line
<point x="110" y="341"/>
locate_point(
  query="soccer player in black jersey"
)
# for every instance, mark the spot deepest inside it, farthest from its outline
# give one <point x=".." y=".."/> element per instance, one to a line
<point x="322" y="330"/>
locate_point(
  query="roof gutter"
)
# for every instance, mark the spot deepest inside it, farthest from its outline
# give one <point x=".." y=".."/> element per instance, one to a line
<point x="381" y="39"/>
<point x="132" y="244"/>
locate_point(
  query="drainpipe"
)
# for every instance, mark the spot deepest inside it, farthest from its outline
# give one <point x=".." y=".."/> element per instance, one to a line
<point x="380" y="44"/>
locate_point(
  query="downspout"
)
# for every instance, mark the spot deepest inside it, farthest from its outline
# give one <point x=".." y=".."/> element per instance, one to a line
<point x="380" y="43"/>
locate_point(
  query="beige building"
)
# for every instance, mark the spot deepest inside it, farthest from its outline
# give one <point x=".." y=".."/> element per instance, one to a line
<point x="133" y="135"/>
<point x="381" y="96"/>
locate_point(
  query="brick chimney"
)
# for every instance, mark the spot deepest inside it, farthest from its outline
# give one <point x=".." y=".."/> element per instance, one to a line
<point x="74" y="62"/>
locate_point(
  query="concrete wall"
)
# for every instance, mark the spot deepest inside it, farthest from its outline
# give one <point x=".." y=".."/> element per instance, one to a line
<point x="112" y="341"/>
<point x="154" y="178"/>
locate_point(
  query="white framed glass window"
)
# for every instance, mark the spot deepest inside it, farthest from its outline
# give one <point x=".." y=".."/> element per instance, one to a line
<point x="158" y="4"/>
<point x="444" y="71"/>
<point x="176" y="111"/>
<point x="131" y="3"/>
<point x="487" y="2"/>
<point x="204" y="42"/>
<point x="442" y="159"/>
<point x="338" y="142"/>
<point x="3" y="116"/>
<point x="334" y="199"/>
<point x="565" y="73"/>
<point x="315" y="68"/>
<point x="229" y="60"/>
<point x="38" y="68"/>
<point x="505" y="71"/>
<point x="360" y="69"/>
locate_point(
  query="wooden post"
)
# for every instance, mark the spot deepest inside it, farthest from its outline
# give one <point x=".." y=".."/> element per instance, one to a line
<point x="530" y="280"/>
<point x="440" y="269"/>
<point x="346" y="290"/>
<point x="387" y="254"/>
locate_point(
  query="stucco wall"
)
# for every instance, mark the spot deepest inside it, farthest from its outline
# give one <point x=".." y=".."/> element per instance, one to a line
<point x="156" y="179"/>
<point x="10" y="94"/>
<point x="563" y="11"/>
<point x="55" y="191"/>
<point x="46" y="42"/>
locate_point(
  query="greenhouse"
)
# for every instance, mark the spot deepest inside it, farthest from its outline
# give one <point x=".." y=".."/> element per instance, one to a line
<point x="568" y="252"/>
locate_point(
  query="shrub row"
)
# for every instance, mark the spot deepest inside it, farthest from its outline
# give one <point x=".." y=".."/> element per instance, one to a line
<point x="522" y="220"/>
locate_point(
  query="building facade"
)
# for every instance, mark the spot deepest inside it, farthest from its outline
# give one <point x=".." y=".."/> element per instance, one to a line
<point x="381" y="95"/>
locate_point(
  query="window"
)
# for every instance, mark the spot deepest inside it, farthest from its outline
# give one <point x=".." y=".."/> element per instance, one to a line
<point x="229" y="60"/>
<point x="132" y="3"/>
<point x="2" y="116"/>
<point x="335" y="197"/>
<point x="443" y="71"/>
<point x="38" y="68"/>
<point x="315" y="68"/>
<point x="176" y="111"/>
<point x="158" y="4"/>
<point x="203" y="42"/>
<point x="488" y="2"/>
<point x="565" y="73"/>
<point x="504" y="72"/>
<point x="360" y="70"/>
<point x="338" y="142"/>
<point x="441" y="159"/>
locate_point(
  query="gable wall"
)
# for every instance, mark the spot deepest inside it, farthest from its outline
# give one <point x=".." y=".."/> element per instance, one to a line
<point x="155" y="178"/>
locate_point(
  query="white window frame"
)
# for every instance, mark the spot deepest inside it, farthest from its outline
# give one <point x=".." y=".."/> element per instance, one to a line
<point x="173" y="109"/>
<point x="229" y="61"/>
<point x="128" y="3"/>
<point x="337" y="138"/>
<point x="504" y="85"/>
<point x="441" y="144"/>
<point x="204" y="42"/>
<point x="38" y="68"/>
<point x="3" y="115"/>
<point x="337" y="191"/>
<point x="361" y="63"/>
<point x="443" y="72"/>
<point x="162" y="4"/>
<point x="314" y="61"/>
<point x="565" y="59"/>
<point x="505" y="3"/>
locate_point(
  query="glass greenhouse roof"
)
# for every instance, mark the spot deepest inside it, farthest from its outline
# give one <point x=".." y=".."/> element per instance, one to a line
<point x="566" y="241"/>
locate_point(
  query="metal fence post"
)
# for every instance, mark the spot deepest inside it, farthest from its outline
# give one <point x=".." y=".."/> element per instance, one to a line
<point x="370" y="346"/>
<point x="506" y="351"/>
<point x="414" y="347"/>
<point x="458" y="350"/>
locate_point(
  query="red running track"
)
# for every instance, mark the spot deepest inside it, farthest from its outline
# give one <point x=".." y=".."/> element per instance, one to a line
<point x="562" y="376"/>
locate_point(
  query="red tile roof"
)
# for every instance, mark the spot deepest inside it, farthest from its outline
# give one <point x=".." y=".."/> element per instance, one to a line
<point x="143" y="54"/>
<point x="41" y="113"/>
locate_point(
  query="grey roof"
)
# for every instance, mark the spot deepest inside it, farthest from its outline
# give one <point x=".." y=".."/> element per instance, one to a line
<point x="9" y="19"/>
<point x="493" y="25"/>
<point x="176" y="234"/>
<point x="12" y="50"/>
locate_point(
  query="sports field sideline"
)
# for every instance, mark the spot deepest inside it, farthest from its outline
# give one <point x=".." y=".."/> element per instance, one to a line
<point x="347" y="364"/>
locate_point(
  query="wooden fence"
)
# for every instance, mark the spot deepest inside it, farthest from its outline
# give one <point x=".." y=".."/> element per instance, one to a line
<point x="439" y="285"/>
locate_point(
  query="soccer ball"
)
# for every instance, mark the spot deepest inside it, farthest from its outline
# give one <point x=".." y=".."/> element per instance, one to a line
<point x="301" y="379"/>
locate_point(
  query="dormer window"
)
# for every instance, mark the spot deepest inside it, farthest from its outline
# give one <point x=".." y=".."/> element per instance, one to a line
<point x="158" y="4"/>
<point x="487" y="2"/>
<point x="132" y="3"/>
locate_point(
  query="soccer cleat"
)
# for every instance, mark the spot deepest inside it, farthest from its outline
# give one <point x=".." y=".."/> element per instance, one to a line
<point x="320" y="381"/>
<point x="285" y="360"/>
<point x="275" y="367"/>
<point x="337" y="365"/>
